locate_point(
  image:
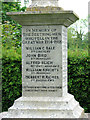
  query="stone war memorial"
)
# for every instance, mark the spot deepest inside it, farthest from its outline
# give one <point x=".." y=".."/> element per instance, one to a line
<point x="44" y="63"/>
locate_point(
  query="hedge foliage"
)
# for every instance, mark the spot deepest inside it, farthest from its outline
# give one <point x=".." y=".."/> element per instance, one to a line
<point x="78" y="73"/>
<point x="78" y="77"/>
<point x="11" y="78"/>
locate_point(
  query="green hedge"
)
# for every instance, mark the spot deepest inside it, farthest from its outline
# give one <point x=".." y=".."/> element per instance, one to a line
<point x="11" y="78"/>
<point x="77" y="74"/>
<point x="78" y="77"/>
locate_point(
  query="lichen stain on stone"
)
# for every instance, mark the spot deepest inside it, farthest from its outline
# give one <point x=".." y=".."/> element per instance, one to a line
<point x="44" y="9"/>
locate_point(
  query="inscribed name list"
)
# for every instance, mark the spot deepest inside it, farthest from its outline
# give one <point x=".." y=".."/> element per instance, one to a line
<point x="41" y="60"/>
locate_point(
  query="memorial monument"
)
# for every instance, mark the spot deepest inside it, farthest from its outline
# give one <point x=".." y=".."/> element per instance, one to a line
<point x="44" y="63"/>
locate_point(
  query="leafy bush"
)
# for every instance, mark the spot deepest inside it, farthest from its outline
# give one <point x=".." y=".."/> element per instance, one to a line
<point x="11" y="77"/>
<point x="78" y="77"/>
<point x="10" y="7"/>
<point x="11" y="36"/>
<point x="11" y="60"/>
<point x="11" y="64"/>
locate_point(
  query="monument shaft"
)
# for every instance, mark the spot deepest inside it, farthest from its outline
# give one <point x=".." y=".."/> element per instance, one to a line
<point x="44" y="59"/>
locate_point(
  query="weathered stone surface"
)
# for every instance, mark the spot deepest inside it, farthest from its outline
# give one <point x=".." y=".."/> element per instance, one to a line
<point x="85" y="116"/>
<point x="47" y="9"/>
<point x="44" y="3"/>
<point x="59" y="17"/>
<point x="44" y="59"/>
<point x="44" y="46"/>
<point x="45" y="107"/>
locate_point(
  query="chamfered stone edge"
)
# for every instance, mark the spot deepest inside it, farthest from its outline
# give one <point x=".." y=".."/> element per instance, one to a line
<point x="59" y="17"/>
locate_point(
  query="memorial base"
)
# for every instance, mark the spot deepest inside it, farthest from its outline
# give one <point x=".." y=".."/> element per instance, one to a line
<point x="45" y="107"/>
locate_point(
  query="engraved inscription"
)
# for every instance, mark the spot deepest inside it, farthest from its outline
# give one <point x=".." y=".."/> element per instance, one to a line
<point x="41" y="59"/>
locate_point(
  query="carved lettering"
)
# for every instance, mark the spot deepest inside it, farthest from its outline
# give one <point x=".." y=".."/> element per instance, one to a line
<point x="42" y="58"/>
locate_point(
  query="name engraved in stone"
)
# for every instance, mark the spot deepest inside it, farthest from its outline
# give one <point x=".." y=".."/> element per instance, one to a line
<point x="42" y="58"/>
<point x="38" y="55"/>
<point x="39" y="76"/>
<point x="41" y="48"/>
<point x="41" y="69"/>
<point x="39" y="62"/>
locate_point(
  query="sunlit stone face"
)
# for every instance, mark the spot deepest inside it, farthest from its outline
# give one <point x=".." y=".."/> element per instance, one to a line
<point x="44" y="3"/>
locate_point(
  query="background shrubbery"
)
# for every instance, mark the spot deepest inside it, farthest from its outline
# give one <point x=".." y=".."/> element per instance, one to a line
<point x="11" y="78"/>
<point x="78" y="77"/>
<point x="78" y="70"/>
